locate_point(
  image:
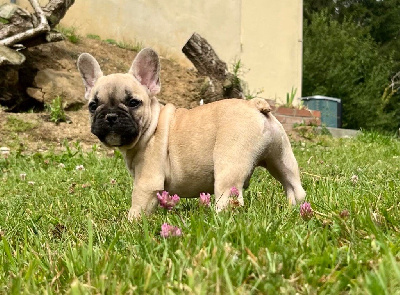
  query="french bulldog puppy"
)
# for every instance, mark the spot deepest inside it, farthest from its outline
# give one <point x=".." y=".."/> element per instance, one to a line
<point x="210" y="148"/>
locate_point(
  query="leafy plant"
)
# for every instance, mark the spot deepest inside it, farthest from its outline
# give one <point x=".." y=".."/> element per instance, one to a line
<point x="237" y="68"/>
<point x="310" y="131"/>
<point x="253" y="94"/>
<point x="290" y="97"/>
<point x="56" y="111"/>
<point x="238" y="71"/>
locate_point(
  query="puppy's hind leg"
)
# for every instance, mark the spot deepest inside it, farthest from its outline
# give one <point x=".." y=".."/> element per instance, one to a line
<point x="283" y="166"/>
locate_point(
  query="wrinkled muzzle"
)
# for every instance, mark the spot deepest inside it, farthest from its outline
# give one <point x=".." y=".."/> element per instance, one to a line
<point x="114" y="127"/>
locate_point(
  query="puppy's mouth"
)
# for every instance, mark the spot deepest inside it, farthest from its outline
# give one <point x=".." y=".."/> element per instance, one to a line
<point x="113" y="139"/>
<point x="115" y="129"/>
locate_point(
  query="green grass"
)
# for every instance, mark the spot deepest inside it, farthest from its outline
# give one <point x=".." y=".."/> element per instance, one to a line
<point x="136" y="46"/>
<point x="15" y="124"/>
<point x="4" y="21"/>
<point x="68" y="232"/>
<point x="70" y="33"/>
<point x="93" y="36"/>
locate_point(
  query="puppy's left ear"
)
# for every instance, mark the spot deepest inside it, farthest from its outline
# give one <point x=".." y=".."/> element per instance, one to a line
<point x="146" y="69"/>
<point x="90" y="71"/>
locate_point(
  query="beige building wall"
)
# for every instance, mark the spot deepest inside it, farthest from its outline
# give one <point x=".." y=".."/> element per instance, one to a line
<point x="164" y="25"/>
<point x="271" y="36"/>
<point x="266" y="35"/>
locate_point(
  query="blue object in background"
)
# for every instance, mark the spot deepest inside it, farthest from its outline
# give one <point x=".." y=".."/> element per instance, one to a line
<point x="330" y="108"/>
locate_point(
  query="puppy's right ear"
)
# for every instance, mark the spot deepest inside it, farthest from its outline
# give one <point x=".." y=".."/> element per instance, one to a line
<point x="90" y="71"/>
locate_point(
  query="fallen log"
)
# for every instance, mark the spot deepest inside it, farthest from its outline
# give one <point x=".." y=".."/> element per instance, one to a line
<point x="219" y="82"/>
<point x="10" y="57"/>
<point x="19" y="26"/>
<point x="28" y="34"/>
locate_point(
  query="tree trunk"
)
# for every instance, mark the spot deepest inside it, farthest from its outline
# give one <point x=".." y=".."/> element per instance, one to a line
<point x="20" y="26"/>
<point x="16" y="20"/>
<point x="10" y="57"/>
<point x="55" y="10"/>
<point x="219" y="83"/>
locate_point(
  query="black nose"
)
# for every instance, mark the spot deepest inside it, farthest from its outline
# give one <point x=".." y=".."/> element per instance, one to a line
<point x="111" y="118"/>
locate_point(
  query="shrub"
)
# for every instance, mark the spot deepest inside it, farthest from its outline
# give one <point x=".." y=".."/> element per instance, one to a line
<point x="342" y="60"/>
<point x="56" y="111"/>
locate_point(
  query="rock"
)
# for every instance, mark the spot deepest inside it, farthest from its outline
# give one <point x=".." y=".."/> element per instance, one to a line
<point x="35" y="93"/>
<point x="49" y="83"/>
<point x="8" y="85"/>
<point x="7" y="10"/>
<point x="9" y="77"/>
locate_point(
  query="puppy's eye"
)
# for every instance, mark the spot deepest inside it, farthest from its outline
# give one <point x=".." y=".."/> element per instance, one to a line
<point x="92" y="106"/>
<point x="134" y="103"/>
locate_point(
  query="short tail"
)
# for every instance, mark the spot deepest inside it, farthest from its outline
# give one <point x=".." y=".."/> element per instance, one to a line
<point x="262" y="105"/>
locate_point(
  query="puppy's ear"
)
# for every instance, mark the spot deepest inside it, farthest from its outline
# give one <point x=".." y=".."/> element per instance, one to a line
<point x="146" y="68"/>
<point x="90" y="71"/>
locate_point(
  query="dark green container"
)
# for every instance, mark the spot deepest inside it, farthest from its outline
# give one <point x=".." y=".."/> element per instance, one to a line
<point x="330" y="108"/>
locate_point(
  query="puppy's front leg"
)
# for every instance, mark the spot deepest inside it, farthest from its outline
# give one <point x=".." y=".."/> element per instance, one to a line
<point x="223" y="197"/>
<point x="143" y="200"/>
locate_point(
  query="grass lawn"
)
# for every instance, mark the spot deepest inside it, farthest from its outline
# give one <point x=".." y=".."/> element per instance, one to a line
<point x="64" y="230"/>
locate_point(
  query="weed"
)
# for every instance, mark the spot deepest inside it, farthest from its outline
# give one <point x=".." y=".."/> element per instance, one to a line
<point x="69" y="33"/>
<point x="290" y="97"/>
<point x="94" y="37"/>
<point x="324" y="130"/>
<point x="237" y="71"/>
<point x="56" y="111"/>
<point x="4" y="21"/>
<point x="310" y="131"/>
<point x="111" y="41"/>
<point x="254" y="94"/>
<point x="136" y="46"/>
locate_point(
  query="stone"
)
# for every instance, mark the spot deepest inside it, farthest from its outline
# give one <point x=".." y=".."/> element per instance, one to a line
<point x="7" y="10"/>
<point x="49" y="83"/>
<point x="35" y="93"/>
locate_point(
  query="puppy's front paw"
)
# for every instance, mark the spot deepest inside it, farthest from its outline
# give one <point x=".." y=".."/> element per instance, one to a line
<point x="221" y="204"/>
<point x="133" y="214"/>
<point x="296" y="196"/>
<point x="218" y="208"/>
